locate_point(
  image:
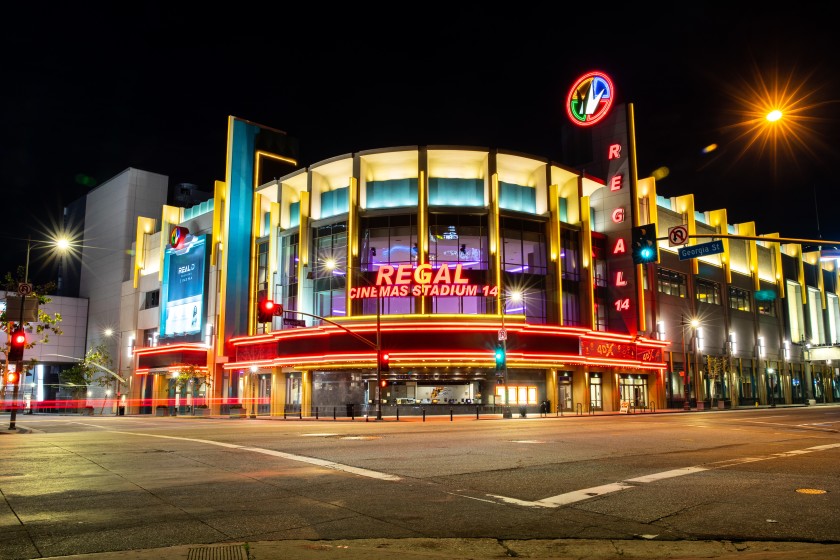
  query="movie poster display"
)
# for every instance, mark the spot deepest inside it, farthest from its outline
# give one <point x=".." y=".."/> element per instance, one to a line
<point x="182" y="301"/>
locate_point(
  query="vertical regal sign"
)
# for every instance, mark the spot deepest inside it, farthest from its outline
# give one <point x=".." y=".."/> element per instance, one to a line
<point x="588" y="103"/>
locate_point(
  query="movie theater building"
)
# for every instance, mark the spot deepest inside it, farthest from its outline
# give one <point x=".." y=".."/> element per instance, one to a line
<point x="443" y="257"/>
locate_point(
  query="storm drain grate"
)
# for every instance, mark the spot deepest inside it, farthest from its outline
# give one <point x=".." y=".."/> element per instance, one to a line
<point x="227" y="552"/>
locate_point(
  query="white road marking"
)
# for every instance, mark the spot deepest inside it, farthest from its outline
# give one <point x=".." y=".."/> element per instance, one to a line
<point x="552" y="501"/>
<point x="587" y="493"/>
<point x="299" y="458"/>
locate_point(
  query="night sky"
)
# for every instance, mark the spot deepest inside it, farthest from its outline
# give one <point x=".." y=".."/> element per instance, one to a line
<point x="87" y="94"/>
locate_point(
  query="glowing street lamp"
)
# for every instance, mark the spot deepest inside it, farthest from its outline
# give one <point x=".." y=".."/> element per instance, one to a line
<point x="694" y="323"/>
<point x="60" y="244"/>
<point x="515" y="297"/>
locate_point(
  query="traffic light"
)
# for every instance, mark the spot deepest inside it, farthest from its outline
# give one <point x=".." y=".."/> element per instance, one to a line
<point x="500" y="357"/>
<point x="16" y="344"/>
<point x="11" y="377"/>
<point x="644" y="246"/>
<point x="384" y="364"/>
<point x="267" y="309"/>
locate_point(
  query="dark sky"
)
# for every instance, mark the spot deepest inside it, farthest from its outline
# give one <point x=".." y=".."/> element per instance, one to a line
<point x="90" y="93"/>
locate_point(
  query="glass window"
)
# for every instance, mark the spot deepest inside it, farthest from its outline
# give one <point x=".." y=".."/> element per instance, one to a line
<point x="815" y="316"/>
<point x="387" y="240"/>
<point x="833" y="318"/>
<point x="460" y="239"/>
<point x="796" y="317"/>
<point x="707" y="291"/>
<point x="739" y="299"/>
<point x="286" y="290"/>
<point x="524" y="266"/>
<point x="569" y="255"/>
<point x="672" y="282"/>
<point x="765" y="307"/>
<point x="329" y="244"/>
<point x="152" y="299"/>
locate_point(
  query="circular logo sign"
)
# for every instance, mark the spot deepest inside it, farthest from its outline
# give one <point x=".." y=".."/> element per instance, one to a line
<point x="590" y="98"/>
<point x="178" y="236"/>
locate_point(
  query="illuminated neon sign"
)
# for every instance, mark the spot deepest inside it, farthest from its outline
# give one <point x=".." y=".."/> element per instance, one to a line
<point x="590" y="98"/>
<point x="407" y="280"/>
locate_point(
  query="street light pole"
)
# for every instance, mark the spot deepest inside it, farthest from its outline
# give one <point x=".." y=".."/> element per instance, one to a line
<point x="19" y="363"/>
<point x="378" y="357"/>
<point x="697" y="378"/>
<point x="687" y="395"/>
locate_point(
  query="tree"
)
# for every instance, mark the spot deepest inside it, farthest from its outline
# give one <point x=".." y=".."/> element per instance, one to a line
<point x="44" y="326"/>
<point x="191" y="377"/>
<point x="81" y="375"/>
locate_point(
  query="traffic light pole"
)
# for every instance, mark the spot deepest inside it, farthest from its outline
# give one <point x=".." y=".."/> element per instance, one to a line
<point x="377" y="346"/>
<point x="19" y="363"/>
<point x="378" y="358"/>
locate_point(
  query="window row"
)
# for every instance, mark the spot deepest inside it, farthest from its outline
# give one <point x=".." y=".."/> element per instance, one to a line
<point x="673" y="283"/>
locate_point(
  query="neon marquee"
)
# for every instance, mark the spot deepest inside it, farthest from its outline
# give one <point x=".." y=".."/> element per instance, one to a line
<point x="407" y="280"/>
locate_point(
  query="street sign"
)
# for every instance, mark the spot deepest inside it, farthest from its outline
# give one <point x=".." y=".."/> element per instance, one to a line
<point x="677" y="235"/>
<point x="30" y="308"/>
<point x="502" y="334"/>
<point x="701" y="250"/>
<point x="25" y="288"/>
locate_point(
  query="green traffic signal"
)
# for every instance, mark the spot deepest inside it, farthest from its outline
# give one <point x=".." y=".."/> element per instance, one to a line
<point x="500" y="357"/>
<point x="643" y="244"/>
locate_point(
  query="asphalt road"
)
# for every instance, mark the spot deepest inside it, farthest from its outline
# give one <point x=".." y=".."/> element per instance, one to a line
<point x="756" y="483"/>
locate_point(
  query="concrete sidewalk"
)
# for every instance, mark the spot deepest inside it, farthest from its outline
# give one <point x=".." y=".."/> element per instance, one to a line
<point x="477" y="549"/>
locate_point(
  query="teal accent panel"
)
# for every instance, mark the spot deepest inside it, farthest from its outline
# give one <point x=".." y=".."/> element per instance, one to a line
<point x="456" y="192"/>
<point x="731" y="229"/>
<point x="334" y="202"/>
<point x="198" y="209"/>
<point x="563" y="208"/>
<point x="517" y="197"/>
<point x="294" y="214"/>
<point x="238" y="238"/>
<point x="663" y="202"/>
<point x="391" y="193"/>
<point x="700" y="217"/>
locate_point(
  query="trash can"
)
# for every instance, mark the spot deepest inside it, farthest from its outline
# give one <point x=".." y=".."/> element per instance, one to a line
<point x="120" y="411"/>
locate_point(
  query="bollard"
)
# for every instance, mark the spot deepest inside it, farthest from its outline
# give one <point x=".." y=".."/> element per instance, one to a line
<point x="476" y="413"/>
<point x="316" y="413"/>
<point x="424" y="415"/>
<point x="300" y="413"/>
<point x="333" y="413"/>
<point x="284" y="413"/>
<point x="451" y="417"/>
<point x="398" y="414"/>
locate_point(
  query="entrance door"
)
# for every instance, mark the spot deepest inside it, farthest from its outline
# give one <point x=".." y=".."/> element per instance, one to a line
<point x="595" y="402"/>
<point x="565" y="396"/>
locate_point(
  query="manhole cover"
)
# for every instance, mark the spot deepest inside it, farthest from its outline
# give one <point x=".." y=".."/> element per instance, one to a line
<point x="810" y="491"/>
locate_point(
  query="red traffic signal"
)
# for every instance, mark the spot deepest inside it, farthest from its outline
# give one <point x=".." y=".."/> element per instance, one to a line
<point x="267" y="309"/>
<point x="17" y="342"/>
<point x="11" y="377"/>
<point x="384" y="361"/>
